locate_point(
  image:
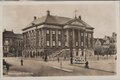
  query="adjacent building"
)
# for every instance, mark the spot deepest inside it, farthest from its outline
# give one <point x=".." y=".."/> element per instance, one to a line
<point x="106" y="45"/>
<point x="53" y="35"/>
<point x="12" y="44"/>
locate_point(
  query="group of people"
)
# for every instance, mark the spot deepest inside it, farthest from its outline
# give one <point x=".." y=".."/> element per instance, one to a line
<point x="6" y="66"/>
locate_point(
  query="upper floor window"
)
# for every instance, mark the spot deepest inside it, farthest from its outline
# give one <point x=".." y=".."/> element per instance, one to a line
<point x="6" y="42"/>
<point x="59" y="43"/>
<point x="81" y="43"/>
<point x="66" y="44"/>
<point x="85" y="34"/>
<point x="59" y="32"/>
<point x="89" y="35"/>
<point x="48" y="43"/>
<point x="81" y="34"/>
<point x="53" y="32"/>
<point x="48" y="31"/>
<point x="76" y="43"/>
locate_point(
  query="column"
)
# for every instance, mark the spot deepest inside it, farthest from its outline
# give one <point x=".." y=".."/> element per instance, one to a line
<point x="39" y="38"/>
<point x="87" y="45"/>
<point x="56" y="38"/>
<point x="67" y="38"/>
<point x="92" y="40"/>
<point x="62" y="38"/>
<point x="73" y="38"/>
<point x="84" y="40"/>
<point x="79" y="38"/>
<point x="51" y="37"/>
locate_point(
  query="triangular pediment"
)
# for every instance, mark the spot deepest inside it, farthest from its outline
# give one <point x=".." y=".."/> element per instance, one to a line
<point x="75" y="22"/>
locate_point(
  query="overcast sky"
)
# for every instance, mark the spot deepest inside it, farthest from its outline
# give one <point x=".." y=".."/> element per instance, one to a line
<point x="100" y="15"/>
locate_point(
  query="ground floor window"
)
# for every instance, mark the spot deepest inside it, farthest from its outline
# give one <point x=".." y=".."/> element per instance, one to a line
<point x="81" y="43"/>
<point x="77" y="53"/>
<point x="48" y="43"/>
<point x="59" y="43"/>
<point x="53" y="43"/>
<point x="76" y="43"/>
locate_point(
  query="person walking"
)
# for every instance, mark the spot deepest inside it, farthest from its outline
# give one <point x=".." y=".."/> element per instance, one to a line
<point x="21" y="62"/>
<point x="58" y="59"/>
<point x="4" y="62"/>
<point x="7" y="68"/>
<point x="87" y="64"/>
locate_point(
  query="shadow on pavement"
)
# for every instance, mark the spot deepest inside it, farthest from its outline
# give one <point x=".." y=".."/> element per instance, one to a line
<point x="93" y="69"/>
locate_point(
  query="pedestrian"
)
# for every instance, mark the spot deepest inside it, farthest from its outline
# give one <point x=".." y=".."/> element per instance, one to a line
<point x="58" y="59"/>
<point x="7" y="67"/>
<point x="115" y="57"/>
<point x="86" y="64"/>
<point x="21" y="62"/>
<point x="4" y="62"/>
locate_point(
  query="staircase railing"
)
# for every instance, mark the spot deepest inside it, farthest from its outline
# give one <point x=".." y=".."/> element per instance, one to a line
<point x="56" y="53"/>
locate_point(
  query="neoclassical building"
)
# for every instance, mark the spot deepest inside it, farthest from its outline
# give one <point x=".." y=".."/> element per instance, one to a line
<point x="55" y="35"/>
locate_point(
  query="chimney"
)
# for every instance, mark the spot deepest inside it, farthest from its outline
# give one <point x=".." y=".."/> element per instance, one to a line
<point x="4" y="30"/>
<point x="48" y="12"/>
<point x="80" y="17"/>
<point x="35" y="17"/>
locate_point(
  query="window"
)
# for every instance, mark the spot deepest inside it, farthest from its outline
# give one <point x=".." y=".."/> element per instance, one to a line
<point x="85" y="34"/>
<point x="66" y="44"/>
<point x="59" y="43"/>
<point x="76" y="43"/>
<point x="59" y="32"/>
<point x="48" y="43"/>
<point x="48" y="31"/>
<point x="77" y="53"/>
<point x="6" y="42"/>
<point x="81" y="34"/>
<point x="89" y="35"/>
<point x="39" y="31"/>
<point x="53" y="32"/>
<point x="81" y="43"/>
<point x="53" y="43"/>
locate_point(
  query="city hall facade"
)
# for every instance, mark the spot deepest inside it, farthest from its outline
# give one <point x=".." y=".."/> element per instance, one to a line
<point x="55" y="35"/>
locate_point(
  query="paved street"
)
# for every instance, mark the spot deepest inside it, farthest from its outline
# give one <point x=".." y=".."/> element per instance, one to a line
<point x="34" y="67"/>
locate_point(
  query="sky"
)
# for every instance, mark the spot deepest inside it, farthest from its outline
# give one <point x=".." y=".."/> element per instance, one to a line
<point x="100" y="15"/>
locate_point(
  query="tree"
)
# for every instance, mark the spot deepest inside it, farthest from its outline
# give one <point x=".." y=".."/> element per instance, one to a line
<point x="98" y="50"/>
<point x="112" y="49"/>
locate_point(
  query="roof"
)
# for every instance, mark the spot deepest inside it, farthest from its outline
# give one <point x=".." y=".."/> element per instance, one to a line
<point x="100" y="39"/>
<point x="19" y="36"/>
<point x="8" y="34"/>
<point x="11" y="34"/>
<point x="55" y="20"/>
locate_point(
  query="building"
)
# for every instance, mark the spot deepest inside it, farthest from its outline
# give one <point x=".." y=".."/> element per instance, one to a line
<point x="51" y="35"/>
<point x="98" y="45"/>
<point x="12" y="44"/>
<point x="98" y="42"/>
<point x="106" y="45"/>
